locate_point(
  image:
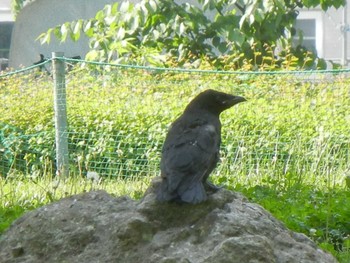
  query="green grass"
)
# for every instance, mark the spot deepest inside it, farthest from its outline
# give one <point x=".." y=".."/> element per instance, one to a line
<point x="287" y="148"/>
<point x="320" y="214"/>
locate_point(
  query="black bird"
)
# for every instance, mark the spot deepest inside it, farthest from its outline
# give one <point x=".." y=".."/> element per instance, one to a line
<point x="191" y="148"/>
<point x="42" y="60"/>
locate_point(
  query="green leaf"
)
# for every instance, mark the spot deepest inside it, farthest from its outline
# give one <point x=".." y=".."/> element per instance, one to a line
<point x="87" y="25"/>
<point x="75" y="36"/>
<point x="88" y="29"/>
<point x="78" y="26"/>
<point x="134" y="24"/>
<point x="259" y="15"/>
<point x="107" y="10"/>
<point x="236" y="36"/>
<point x="45" y="37"/>
<point x="143" y="9"/>
<point x="182" y="51"/>
<point x="100" y="15"/>
<point x="216" y="41"/>
<point x="115" y="8"/>
<point x="65" y="29"/>
<point x="110" y="20"/>
<point x="125" y="7"/>
<point x="92" y="55"/>
<point x="57" y="32"/>
<point x="182" y="29"/>
<point x="156" y="35"/>
<point x="120" y="34"/>
<point x="222" y="47"/>
<point x="151" y="6"/>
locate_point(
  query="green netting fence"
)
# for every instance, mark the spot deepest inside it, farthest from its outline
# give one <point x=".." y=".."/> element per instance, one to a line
<point x="294" y="127"/>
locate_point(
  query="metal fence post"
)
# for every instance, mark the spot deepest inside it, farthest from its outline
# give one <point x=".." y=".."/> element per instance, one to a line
<point x="60" y="107"/>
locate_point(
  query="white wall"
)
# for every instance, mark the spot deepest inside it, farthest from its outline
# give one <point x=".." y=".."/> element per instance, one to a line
<point x="40" y="15"/>
<point x="334" y="34"/>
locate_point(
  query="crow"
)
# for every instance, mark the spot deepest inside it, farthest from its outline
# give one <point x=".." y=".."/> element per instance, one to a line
<point x="191" y="148"/>
<point x="42" y="60"/>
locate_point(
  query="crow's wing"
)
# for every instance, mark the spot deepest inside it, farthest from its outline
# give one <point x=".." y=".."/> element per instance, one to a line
<point x="190" y="152"/>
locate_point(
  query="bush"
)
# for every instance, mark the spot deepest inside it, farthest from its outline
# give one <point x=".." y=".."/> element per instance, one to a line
<point x="153" y="32"/>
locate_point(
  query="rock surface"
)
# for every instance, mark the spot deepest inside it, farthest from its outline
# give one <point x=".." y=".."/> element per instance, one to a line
<point x="96" y="227"/>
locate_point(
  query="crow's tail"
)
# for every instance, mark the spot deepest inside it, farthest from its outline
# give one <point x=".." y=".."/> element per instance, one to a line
<point x="192" y="194"/>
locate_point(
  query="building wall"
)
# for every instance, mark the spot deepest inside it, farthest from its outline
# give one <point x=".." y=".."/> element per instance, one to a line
<point x="329" y="32"/>
<point x="333" y="36"/>
<point x="40" y="15"/>
<point x="6" y="25"/>
<point x="5" y="11"/>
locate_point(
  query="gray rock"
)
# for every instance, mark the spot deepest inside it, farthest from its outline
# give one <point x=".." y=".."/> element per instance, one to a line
<point x="96" y="227"/>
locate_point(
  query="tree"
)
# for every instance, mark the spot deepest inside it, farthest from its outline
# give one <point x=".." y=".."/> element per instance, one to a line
<point x="154" y="31"/>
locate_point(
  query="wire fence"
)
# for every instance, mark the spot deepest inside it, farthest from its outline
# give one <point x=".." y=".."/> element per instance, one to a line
<point x="294" y="125"/>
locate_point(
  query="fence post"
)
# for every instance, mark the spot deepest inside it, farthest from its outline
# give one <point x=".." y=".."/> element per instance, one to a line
<point x="60" y="107"/>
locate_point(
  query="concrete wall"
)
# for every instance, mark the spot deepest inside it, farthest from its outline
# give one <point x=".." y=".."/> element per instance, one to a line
<point x="40" y="15"/>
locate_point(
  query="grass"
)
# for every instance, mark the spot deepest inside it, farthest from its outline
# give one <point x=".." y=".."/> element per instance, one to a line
<point x="287" y="148"/>
<point x="306" y="209"/>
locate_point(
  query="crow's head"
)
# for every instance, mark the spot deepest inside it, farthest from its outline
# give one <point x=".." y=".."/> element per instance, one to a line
<point x="213" y="101"/>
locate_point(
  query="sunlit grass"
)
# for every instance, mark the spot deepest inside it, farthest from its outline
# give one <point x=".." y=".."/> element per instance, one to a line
<point x="23" y="191"/>
<point x="286" y="148"/>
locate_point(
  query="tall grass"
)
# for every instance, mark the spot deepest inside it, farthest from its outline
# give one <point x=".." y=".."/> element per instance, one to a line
<point x="287" y="148"/>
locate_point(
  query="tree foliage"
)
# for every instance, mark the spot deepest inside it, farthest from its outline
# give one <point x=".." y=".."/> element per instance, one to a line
<point x="153" y="31"/>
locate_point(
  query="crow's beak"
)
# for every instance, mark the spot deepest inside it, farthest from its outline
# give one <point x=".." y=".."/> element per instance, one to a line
<point x="237" y="99"/>
<point x="232" y="100"/>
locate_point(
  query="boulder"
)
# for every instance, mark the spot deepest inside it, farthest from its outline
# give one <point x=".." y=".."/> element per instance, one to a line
<point x="97" y="227"/>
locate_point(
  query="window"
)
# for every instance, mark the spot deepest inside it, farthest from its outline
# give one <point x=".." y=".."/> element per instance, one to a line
<point x="308" y="29"/>
<point x="310" y="24"/>
<point x="5" y="42"/>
